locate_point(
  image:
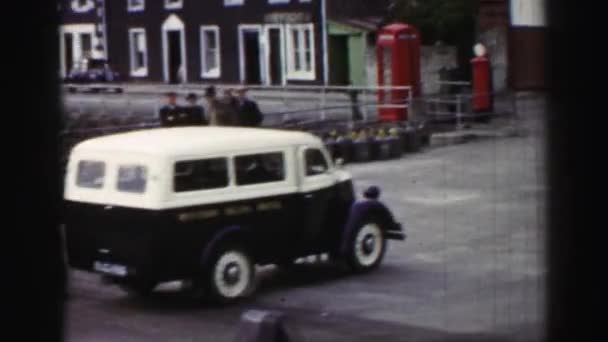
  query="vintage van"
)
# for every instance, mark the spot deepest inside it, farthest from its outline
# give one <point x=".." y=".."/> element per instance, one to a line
<point x="207" y="204"/>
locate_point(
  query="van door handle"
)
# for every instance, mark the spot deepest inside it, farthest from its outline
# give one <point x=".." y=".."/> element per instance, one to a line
<point x="309" y="196"/>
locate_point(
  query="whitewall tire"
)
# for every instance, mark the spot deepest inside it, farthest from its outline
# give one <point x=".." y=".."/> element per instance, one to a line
<point x="368" y="247"/>
<point x="231" y="275"/>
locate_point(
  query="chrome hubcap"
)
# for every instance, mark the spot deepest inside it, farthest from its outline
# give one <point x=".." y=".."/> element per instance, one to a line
<point x="368" y="244"/>
<point x="232" y="273"/>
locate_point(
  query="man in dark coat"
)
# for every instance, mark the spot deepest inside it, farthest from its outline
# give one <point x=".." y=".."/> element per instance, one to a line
<point x="249" y="112"/>
<point x="171" y="114"/>
<point x="196" y="112"/>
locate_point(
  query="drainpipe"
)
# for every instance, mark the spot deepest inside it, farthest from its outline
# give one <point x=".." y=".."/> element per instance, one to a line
<point x="325" y="52"/>
<point x="102" y="6"/>
<point x="106" y="48"/>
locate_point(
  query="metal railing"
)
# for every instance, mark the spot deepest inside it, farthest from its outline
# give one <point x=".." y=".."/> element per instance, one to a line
<point x="289" y="100"/>
<point x="459" y="109"/>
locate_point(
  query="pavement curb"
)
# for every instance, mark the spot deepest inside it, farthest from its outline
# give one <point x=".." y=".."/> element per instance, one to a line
<point x="464" y="136"/>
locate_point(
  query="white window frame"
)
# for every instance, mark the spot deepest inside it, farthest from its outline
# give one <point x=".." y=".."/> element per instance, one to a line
<point x="230" y="3"/>
<point x="76" y="30"/>
<point x="304" y="75"/>
<point x="135" y="7"/>
<point x="76" y="7"/>
<point x="217" y="72"/>
<point x="176" y="5"/>
<point x="143" y="71"/>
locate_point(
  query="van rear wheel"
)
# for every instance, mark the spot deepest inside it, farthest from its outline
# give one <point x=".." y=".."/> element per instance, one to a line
<point x="231" y="274"/>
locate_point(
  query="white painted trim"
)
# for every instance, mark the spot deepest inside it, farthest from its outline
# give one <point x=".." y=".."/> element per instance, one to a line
<point x="528" y="13"/>
<point x="140" y="72"/>
<point x="173" y="23"/>
<point x="82" y="8"/>
<point x="278" y="2"/>
<point x="106" y="48"/>
<point x="136" y="8"/>
<point x="301" y="75"/>
<point x="324" y="32"/>
<point x="233" y="3"/>
<point x="282" y="44"/>
<point x="216" y="73"/>
<point x="241" y="31"/>
<point x="177" y="5"/>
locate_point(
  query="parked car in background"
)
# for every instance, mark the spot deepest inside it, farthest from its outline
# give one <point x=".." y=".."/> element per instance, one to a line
<point x="93" y="74"/>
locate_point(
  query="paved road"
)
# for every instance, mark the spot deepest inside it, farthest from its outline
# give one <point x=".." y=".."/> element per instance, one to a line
<point x="472" y="266"/>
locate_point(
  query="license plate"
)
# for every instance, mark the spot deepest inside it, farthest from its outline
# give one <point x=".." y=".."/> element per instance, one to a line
<point x="104" y="267"/>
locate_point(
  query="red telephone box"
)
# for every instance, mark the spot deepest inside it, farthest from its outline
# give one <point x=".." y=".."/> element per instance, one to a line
<point x="398" y="56"/>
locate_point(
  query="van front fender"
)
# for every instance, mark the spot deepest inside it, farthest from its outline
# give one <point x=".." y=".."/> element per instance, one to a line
<point x="363" y="210"/>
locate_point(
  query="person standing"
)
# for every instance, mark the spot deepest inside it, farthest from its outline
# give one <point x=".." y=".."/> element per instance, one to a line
<point x="169" y="114"/>
<point x="221" y="113"/>
<point x="196" y="112"/>
<point x="248" y="110"/>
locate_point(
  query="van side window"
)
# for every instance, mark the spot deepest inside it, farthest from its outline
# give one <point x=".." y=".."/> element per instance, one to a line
<point x="315" y="162"/>
<point x="132" y="178"/>
<point x="259" y="168"/>
<point x="90" y="174"/>
<point x="203" y="174"/>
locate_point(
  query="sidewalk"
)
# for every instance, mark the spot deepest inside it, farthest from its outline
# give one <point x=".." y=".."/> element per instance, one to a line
<point x="528" y="118"/>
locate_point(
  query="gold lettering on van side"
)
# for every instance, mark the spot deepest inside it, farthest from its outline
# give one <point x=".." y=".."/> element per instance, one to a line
<point x="273" y="205"/>
<point x="199" y="215"/>
<point x="238" y="210"/>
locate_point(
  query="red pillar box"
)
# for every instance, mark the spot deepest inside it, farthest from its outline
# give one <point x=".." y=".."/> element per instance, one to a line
<point x="482" y="98"/>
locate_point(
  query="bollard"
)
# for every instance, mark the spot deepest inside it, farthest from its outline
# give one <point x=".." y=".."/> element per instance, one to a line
<point x="264" y="326"/>
<point x="383" y="146"/>
<point x="331" y="145"/>
<point x="396" y="144"/>
<point x="361" y="148"/>
<point x="410" y="138"/>
<point x="345" y="148"/>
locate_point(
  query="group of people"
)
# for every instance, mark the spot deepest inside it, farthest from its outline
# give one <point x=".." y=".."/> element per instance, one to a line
<point x="233" y="109"/>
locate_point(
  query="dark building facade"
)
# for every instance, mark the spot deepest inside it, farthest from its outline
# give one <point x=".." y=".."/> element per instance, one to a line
<point x="82" y="34"/>
<point x="514" y="32"/>
<point x="267" y="42"/>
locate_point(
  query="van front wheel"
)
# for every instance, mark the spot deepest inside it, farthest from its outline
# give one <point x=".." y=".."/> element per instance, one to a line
<point x="367" y="246"/>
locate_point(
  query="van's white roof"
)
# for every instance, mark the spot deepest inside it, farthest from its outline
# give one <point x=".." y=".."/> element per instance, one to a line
<point x="184" y="140"/>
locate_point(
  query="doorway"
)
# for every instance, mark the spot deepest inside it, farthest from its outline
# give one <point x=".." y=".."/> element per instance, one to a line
<point x="174" y="51"/>
<point x="174" y="60"/>
<point x="68" y="41"/>
<point x="339" y="61"/>
<point x="251" y="55"/>
<point x="86" y="44"/>
<point x="275" y="61"/>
